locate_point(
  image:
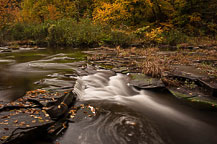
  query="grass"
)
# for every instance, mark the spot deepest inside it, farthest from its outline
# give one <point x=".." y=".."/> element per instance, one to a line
<point x="156" y="64"/>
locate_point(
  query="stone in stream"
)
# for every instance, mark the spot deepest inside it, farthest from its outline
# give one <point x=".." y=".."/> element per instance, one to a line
<point x="18" y="123"/>
<point x="194" y="98"/>
<point x="55" y="82"/>
<point x="37" y="111"/>
<point x="143" y="81"/>
<point x="6" y="51"/>
<point x="85" y="70"/>
<point x="195" y="86"/>
<point x="121" y="70"/>
<point x="190" y="74"/>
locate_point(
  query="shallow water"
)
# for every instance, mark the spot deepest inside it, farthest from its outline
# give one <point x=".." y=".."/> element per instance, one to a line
<point x="132" y="116"/>
<point x="30" y="69"/>
<point x="124" y="115"/>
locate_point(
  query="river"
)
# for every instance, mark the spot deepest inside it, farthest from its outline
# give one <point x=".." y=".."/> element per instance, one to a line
<point x="124" y="114"/>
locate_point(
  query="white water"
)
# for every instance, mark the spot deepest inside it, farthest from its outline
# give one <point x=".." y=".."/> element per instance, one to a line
<point x="179" y="125"/>
<point x="116" y="89"/>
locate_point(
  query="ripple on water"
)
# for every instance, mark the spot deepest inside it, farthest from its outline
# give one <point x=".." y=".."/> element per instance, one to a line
<point x="113" y="127"/>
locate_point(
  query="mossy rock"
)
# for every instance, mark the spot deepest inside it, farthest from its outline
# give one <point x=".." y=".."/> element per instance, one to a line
<point x="143" y="81"/>
<point x="204" y="102"/>
<point x="200" y="102"/>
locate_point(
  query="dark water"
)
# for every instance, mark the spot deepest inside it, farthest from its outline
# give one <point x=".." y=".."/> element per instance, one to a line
<point x="25" y="70"/>
<point x="124" y="115"/>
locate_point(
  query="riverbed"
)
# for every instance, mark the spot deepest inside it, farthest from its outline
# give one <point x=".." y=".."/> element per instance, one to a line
<point x="124" y="114"/>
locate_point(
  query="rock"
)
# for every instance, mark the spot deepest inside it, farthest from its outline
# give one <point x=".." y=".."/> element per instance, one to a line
<point x="62" y="106"/>
<point x="211" y="62"/>
<point x="17" y="123"/>
<point x="192" y="75"/>
<point x="195" y="87"/>
<point x="55" y="82"/>
<point x="83" y="71"/>
<point x="142" y="81"/>
<point x="196" y="48"/>
<point x="190" y="47"/>
<point x="37" y="111"/>
<point x="75" y="114"/>
<point x="204" y="102"/>
<point x="195" y="99"/>
<point x="121" y="70"/>
<point x="6" y="51"/>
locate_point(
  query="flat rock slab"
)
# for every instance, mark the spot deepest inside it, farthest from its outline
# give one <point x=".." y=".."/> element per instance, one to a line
<point x="197" y="99"/>
<point x="189" y="71"/>
<point x="36" y="111"/>
<point x="18" y="122"/>
<point x="85" y="70"/>
<point x="42" y="98"/>
<point x="143" y="81"/>
<point x="191" y="74"/>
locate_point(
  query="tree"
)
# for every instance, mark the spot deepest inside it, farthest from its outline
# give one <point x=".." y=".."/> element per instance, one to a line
<point x="8" y="12"/>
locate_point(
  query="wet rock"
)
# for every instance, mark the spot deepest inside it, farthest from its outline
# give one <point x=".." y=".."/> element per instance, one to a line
<point x="55" y="82"/>
<point x="19" y="122"/>
<point x="191" y="75"/>
<point x="36" y="111"/>
<point x="145" y="82"/>
<point x="194" y="98"/>
<point x="75" y="114"/>
<point x="204" y="102"/>
<point x="86" y="70"/>
<point x="196" y="48"/>
<point x="195" y="87"/>
<point x="6" y="51"/>
<point x="82" y="112"/>
<point x="121" y="70"/>
<point x="62" y="106"/>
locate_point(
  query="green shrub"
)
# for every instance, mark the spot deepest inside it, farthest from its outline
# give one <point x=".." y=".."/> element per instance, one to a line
<point x="72" y="33"/>
<point x="67" y="32"/>
<point x="116" y="38"/>
<point x="174" y="37"/>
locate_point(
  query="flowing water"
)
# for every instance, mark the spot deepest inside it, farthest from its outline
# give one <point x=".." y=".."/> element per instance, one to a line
<point x="124" y="114"/>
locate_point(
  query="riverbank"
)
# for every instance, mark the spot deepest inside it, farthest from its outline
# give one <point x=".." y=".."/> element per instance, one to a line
<point x="69" y="32"/>
<point x="189" y="73"/>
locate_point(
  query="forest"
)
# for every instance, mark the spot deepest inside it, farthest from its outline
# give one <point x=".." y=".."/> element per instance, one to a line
<point x="107" y="22"/>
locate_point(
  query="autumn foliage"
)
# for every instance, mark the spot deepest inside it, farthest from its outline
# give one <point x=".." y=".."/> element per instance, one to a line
<point x="148" y="20"/>
<point x="8" y="12"/>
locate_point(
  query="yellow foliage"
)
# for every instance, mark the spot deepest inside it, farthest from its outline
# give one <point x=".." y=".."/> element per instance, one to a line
<point x="8" y="12"/>
<point x="155" y="35"/>
<point x="53" y="14"/>
<point x="41" y="10"/>
<point x="111" y="12"/>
